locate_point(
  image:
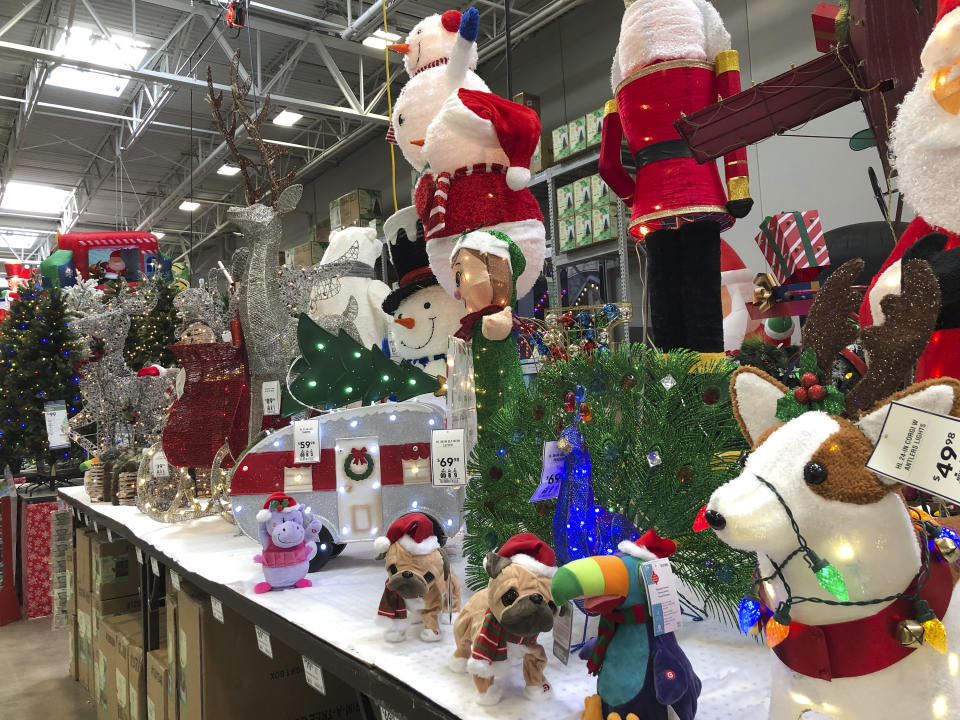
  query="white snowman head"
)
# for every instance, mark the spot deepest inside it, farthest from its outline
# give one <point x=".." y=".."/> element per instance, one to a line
<point x="431" y="42"/>
<point x="342" y="242"/>
<point x="423" y="322"/>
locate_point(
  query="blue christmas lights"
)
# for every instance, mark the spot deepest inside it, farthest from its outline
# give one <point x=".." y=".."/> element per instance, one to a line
<point x="748" y="614"/>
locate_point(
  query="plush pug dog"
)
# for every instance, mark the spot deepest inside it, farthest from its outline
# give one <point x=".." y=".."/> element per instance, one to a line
<point x="506" y="619"/>
<point x="420" y="584"/>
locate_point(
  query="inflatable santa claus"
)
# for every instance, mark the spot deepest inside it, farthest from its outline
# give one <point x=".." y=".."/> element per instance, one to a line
<point x="925" y="140"/>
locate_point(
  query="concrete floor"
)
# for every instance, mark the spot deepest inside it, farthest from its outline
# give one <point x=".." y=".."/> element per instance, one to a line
<point x="37" y="684"/>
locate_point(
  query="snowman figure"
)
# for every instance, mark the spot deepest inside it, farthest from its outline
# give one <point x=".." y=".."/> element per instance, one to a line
<point x="479" y="149"/>
<point x="736" y="288"/>
<point x="423" y="315"/>
<point x="353" y="252"/>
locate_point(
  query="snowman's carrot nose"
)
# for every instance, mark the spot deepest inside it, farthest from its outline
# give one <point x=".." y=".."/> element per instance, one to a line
<point x="402" y="48"/>
<point x="418" y="143"/>
<point x="408" y="323"/>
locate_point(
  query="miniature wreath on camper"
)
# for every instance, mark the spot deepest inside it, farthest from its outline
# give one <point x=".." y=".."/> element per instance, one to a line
<point x="358" y="457"/>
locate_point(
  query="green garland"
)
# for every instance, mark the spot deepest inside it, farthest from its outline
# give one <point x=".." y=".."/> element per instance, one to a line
<point x="361" y="476"/>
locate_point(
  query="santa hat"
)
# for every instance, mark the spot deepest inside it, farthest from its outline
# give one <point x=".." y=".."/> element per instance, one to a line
<point x="648" y="547"/>
<point x="732" y="269"/>
<point x="777" y="331"/>
<point x="13" y="269"/>
<point x="515" y="127"/>
<point x="414" y="532"/>
<point x="151" y="371"/>
<point x="278" y="501"/>
<point x="530" y="552"/>
<point x="945" y="7"/>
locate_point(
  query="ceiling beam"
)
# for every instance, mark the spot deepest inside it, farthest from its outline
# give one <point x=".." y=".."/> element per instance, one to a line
<point x="18" y="17"/>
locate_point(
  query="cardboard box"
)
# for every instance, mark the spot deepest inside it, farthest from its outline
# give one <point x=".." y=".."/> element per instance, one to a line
<point x="172" y="652"/>
<point x="71" y="562"/>
<point x="566" y="202"/>
<point x="156" y="705"/>
<point x="136" y="678"/>
<point x="355" y="207"/>
<point x="108" y="608"/>
<point x="528" y="100"/>
<point x="581" y="195"/>
<point x="72" y="646"/>
<point x="567" y="233"/>
<point x="605" y="223"/>
<point x="111" y="695"/>
<point x="578" y="135"/>
<point x="114" y="567"/>
<point x="600" y="192"/>
<point x="561" y="142"/>
<point x="86" y="648"/>
<point x="303" y="255"/>
<point x="584" y="228"/>
<point x="542" y="154"/>
<point x="83" y="569"/>
<point x="594" y="128"/>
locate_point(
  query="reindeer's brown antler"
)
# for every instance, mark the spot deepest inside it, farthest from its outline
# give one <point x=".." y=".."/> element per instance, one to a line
<point x="215" y="99"/>
<point x="828" y="328"/>
<point x="894" y="345"/>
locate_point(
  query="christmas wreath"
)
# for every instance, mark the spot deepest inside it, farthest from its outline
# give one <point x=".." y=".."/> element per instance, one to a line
<point x="358" y="456"/>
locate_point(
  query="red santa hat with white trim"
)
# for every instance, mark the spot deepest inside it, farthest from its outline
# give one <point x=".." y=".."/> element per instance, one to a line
<point x="649" y="546"/>
<point x="530" y="552"/>
<point x="278" y="501"/>
<point x="514" y="127"/>
<point x="414" y="532"/>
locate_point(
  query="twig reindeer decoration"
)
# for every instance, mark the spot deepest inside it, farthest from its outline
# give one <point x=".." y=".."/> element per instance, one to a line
<point x="269" y="332"/>
<point x="860" y="594"/>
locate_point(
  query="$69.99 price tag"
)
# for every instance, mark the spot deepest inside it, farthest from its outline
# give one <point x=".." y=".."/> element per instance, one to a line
<point x="447" y="457"/>
<point x="552" y="473"/>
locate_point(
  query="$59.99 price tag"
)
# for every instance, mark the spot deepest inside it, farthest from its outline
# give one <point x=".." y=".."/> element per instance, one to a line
<point x="306" y="441"/>
<point x="552" y="473"/>
<point x="448" y="464"/>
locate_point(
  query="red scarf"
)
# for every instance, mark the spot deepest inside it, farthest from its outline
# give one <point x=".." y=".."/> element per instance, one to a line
<point x="469" y="321"/>
<point x="608" y="626"/>
<point x="491" y="644"/>
<point x="864" y="646"/>
<point x="392" y="605"/>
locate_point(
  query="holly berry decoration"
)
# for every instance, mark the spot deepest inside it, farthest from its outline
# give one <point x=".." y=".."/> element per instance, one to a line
<point x="812" y="394"/>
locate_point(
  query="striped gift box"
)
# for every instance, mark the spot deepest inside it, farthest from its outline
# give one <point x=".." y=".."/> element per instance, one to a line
<point x="793" y="245"/>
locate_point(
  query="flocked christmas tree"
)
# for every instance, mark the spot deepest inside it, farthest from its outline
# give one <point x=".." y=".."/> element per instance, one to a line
<point x="151" y="332"/>
<point x="647" y="439"/>
<point x="38" y="354"/>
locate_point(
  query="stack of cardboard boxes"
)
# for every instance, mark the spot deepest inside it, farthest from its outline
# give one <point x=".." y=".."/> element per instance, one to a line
<point x="543" y="154"/>
<point x="360" y="207"/>
<point x="579" y="134"/>
<point x="587" y="213"/>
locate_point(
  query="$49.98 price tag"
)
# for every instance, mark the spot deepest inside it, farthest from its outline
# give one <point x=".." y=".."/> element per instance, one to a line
<point x="306" y="441"/>
<point x="552" y="474"/>
<point x="449" y="466"/>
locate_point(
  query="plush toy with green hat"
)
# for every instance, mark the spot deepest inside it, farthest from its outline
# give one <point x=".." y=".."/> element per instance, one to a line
<point x="486" y="265"/>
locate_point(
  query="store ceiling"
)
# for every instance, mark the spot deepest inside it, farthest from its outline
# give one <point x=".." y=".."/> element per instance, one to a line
<point x="127" y="160"/>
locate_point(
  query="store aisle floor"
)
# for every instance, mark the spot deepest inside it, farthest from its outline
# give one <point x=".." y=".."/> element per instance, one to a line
<point x="36" y="682"/>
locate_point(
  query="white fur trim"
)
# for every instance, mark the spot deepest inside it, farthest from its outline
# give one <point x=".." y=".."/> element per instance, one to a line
<point x="889" y="283"/>
<point x="430" y="636"/>
<point x="491" y="696"/>
<point x="518" y="178"/>
<point x="457" y="664"/>
<point x="391" y="624"/>
<point x="482" y="242"/>
<point x="482" y="668"/>
<point x="422" y="548"/>
<point x="538" y="693"/>
<point x="263" y="515"/>
<point x="381" y="545"/>
<point x="634" y="550"/>
<point x="394" y="636"/>
<point x="534" y="566"/>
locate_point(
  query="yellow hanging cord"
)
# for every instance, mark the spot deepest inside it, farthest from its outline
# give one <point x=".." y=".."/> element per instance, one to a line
<point x="393" y="157"/>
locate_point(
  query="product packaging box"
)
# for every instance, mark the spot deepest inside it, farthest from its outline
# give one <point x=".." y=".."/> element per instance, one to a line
<point x="114" y="606"/>
<point x="528" y="100"/>
<point x="566" y="203"/>
<point x="156" y="706"/>
<point x="561" y="142"/>
<point x="114" y="567"/>
<point x="568" y="232"/>
<point x="172" y="654"/>
<point x="584" y="228"/>
<point x="82" y="560"/>
<point x="85" y="647"/>
<point x="136" y="678"/>
<point x="71" y="563"/>
<point x="72" y="629"/>
<point x="356" y="207"/>
<point x="578" y="135"/>
<point x="605" y="222"/>
<point x="112" y="696"/>
<point x="582" y="195"/>
<point x="826" y="26"/>
<point x="542" y="154"/>
<point x="594" y="128"/>
<point x="303" y="255"/>
<point x="600" y="192"/>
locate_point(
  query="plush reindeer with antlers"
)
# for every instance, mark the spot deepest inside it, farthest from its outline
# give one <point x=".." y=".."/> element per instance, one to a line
<point x="859" y="585"/>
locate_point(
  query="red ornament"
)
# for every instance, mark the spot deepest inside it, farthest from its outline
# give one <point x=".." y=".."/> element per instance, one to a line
<point x="567" y="319"/>
<point x="808" y="380"/>
<point x="817" y="393"/>
<point x="569" y="402"/>
<point x="800" y="395"/>
<point x="700" y="523"/>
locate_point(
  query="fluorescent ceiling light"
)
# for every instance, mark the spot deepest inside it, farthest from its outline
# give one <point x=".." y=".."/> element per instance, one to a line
<point x="286" y="118"/>
<point x="228" y="170"/>
<point x="84" y="43"/>
<point x="158" y="235"/>
<point x="189" y="206"/>
<point x="380" y="39"/>
<point x="34" y="198"/>
<point x="16" y="241"/>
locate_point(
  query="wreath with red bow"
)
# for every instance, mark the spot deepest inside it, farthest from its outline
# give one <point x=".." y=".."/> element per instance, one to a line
<point x="358" y="456"/>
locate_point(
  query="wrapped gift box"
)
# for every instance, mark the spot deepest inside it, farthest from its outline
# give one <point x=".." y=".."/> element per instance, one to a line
<point x="35" y="558"/>
<point x="793" y="245"/>
<point x="826" y="30"/>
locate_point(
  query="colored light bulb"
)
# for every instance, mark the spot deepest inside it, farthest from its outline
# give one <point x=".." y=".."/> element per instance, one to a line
<point x="934" y="633"/>
<point x="700" y="522"/>
<point x="828" y="576"/>
<point x="748" y="614"/>
<point x="946" y="532"/>
<point x="778" y="627"/>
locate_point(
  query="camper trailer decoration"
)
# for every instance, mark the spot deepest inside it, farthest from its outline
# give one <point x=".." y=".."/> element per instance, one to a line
<point x="288" y="536"/>
<point x="853" y="588"/>
<point x="374" y="467"/>
<point x="421" y="587"/>
<point x="639" y="672"/>
<point x="680" y="207"/>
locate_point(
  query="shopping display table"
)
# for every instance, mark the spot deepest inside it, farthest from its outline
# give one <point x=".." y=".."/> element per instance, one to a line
<point x="332" y="624"/>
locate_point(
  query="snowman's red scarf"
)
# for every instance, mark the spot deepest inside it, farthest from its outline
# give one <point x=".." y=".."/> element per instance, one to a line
<point x="864" y="646"/>
<point x="436" y="63"/>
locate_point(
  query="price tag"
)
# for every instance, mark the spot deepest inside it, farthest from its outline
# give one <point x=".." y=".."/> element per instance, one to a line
<point x="448" y="463"/>
<point x="140" y="556"/>
<point x="217" y="608"/>
<point x="180" y="382"/>
<point x="263" y="641"/>
<point x="919" y="448"/>
<point x="552" y="473"/>
<point x="314" y="675"/>
<point x="175" y="580"/>
<point x="662" y="595"/>
<point x="155" y="566"/>
<point x="109" y="535"/>
<point x="270" y="392"/>
<point x="159" y="467"/>
<point x="55" y="417"/>
<point x="563" y="634"/>
<point x="306" y="441"/>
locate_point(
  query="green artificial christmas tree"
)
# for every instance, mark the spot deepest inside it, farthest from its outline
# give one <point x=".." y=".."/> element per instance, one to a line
<point x="39" y="354"/>
<point x="654" y="434"/>
<point x="152" y="332"/>
<point x="335" y="371"/>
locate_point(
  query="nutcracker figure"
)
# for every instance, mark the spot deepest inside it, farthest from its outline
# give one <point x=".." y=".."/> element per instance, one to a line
<point x="679" y="208"/>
